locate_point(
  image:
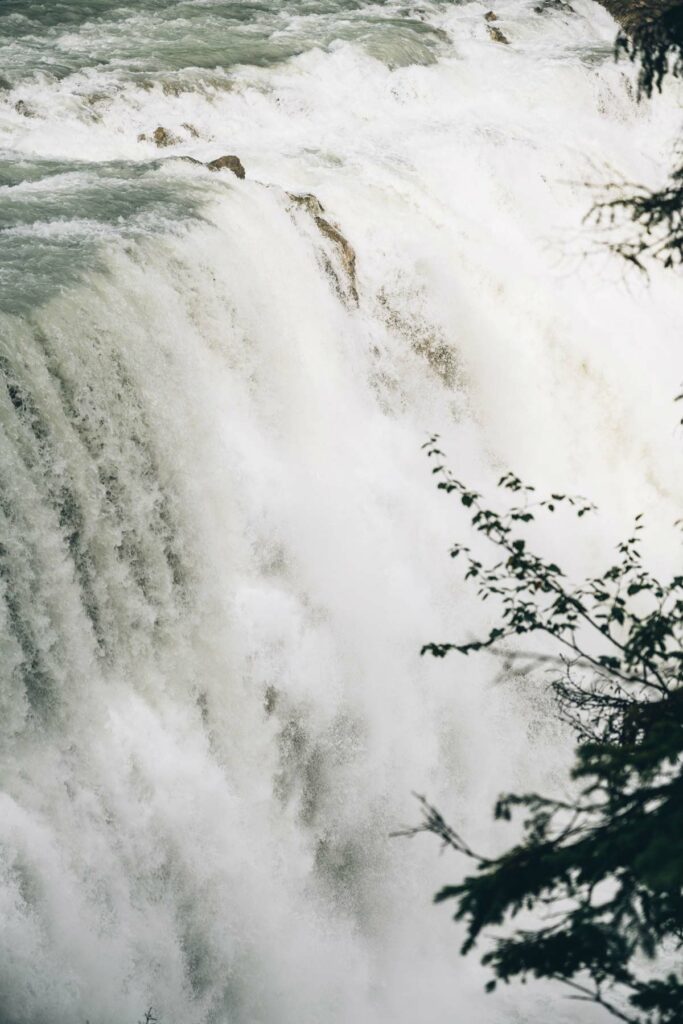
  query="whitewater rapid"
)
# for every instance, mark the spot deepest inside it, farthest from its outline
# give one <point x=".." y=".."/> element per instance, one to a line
<point x="220" y="547"/>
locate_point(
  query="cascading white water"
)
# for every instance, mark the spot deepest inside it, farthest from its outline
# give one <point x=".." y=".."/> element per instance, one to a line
<point x="221" y="550"/>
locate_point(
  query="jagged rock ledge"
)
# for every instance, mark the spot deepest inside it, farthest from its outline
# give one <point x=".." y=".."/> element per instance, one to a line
<point x="341" y="245"/>
<point x="230" y="163"/>
<point x="338" y="251"/>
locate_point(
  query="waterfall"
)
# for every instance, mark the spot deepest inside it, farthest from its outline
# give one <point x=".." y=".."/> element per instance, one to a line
<point x="220" y="546"/>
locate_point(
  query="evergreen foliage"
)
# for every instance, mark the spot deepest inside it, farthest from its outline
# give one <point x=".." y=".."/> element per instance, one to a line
<point x="656" y="43"/>
<point x="654" y="216"/>
<point x="592" y="895"/>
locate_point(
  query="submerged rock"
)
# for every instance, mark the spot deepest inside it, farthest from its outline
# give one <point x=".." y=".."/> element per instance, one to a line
<point x="308" y="201"/>
<point x="22" y="107"/>
<point x="426" y="339"/>
<point x="271" y="699"/>
<point x="346" y="252"/>
<point x="232" y="163"/>
<point x="497" y="35"/>
<point x="554" y="5"/>
<point x="342" y="246"/>
<point x="161" y="136"/>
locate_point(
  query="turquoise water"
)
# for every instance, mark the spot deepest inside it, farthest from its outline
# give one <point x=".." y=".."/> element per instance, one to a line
<point x="142" y="38"/>
<point x="82" y="55"/>
<point x="59" y="218"/>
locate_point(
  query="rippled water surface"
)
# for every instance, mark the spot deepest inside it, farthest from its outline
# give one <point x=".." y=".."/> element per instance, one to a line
<point x="59" y="39"/>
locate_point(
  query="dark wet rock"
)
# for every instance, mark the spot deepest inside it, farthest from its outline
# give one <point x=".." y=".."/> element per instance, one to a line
<point x="497" y="35"/>
<point x="161" y="137"/>
<point x="346" y="252"/>
<point x="5" y="84"/>
<point x="23" y="108"/>
<point x="230" y="163"/>
<point x="548" y="6"/>
<point x="341" y="245"/>
<point x="427" y="340"/>
<point x="491" y="16"/>
<point x="271" y="699"/>
<point x="308" y="201"/>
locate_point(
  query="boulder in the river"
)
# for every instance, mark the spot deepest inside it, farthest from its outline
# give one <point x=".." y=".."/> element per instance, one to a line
<point x="547" y="6"/>
<point x="497" y="35"/>
<point x="23" y="108"/>
<point x="161" y="137"/>
<point x="230" y="163"/>
<point x="491" y="16"/>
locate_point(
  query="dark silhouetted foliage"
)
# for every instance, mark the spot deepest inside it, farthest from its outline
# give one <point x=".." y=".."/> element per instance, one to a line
<point x="592" y="895"/>
<point x="655" y="216"/>
<point x="656" y="43"/>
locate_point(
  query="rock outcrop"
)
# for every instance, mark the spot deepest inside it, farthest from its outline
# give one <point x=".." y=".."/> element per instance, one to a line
<point x="22" y="107"/>
<point x="229" y="163"/>
<point x="344" y="251"/>
<point x="548" y="6"/>
<point x="497" y="35"/>
<point x="161" y="137"/>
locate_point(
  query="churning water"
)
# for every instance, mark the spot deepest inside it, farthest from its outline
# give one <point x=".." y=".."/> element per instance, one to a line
<point x="220" y="547"/>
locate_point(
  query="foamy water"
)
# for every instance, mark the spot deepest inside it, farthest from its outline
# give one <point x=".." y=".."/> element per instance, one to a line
<point x="221" y="546"/>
